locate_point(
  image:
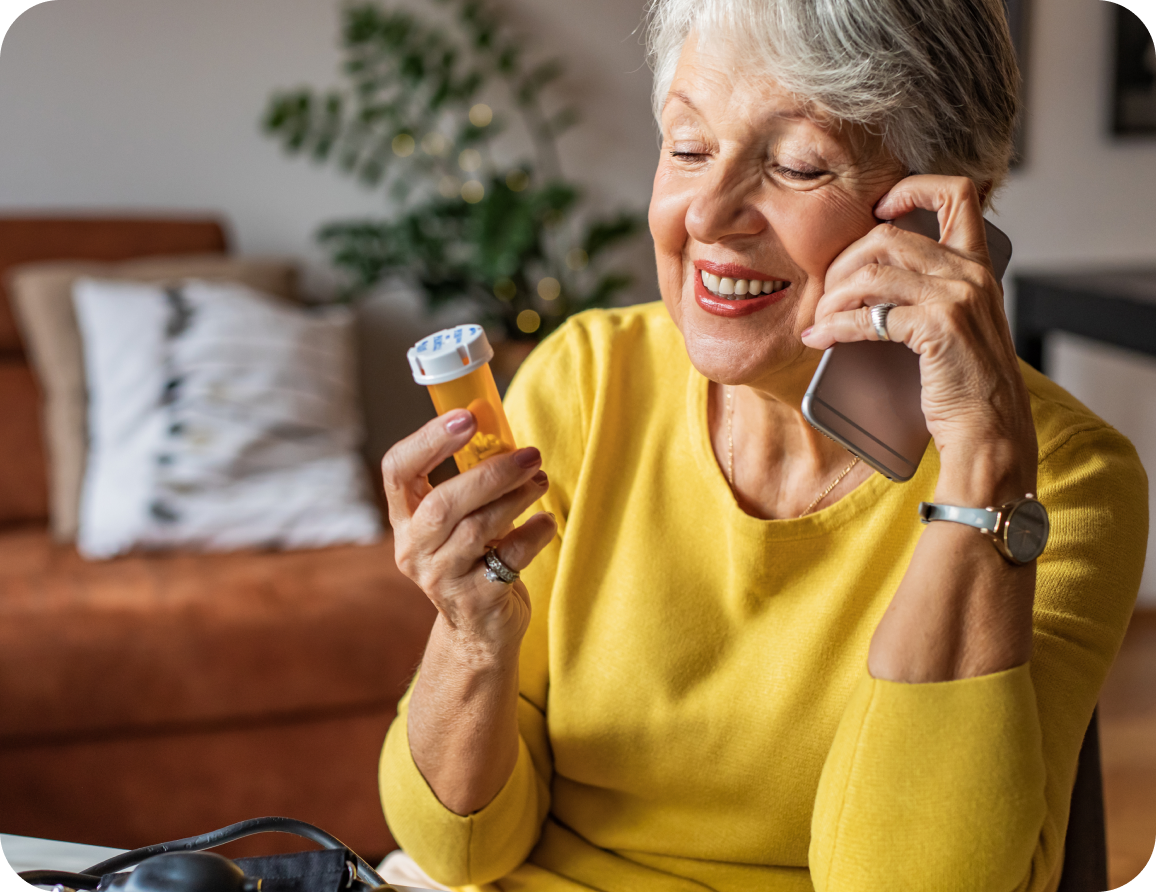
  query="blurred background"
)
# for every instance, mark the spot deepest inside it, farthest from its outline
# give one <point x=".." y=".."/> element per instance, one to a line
<point x="155" y="108"/>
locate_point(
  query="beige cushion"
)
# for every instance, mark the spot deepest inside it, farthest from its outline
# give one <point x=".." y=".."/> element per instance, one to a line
<point x="42" y="297"/>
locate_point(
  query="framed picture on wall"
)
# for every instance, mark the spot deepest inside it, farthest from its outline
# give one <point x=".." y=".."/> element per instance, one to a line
<point x="1134" y="80"/>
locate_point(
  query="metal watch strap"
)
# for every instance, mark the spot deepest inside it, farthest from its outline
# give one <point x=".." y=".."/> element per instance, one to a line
<point x="980" y="518"/>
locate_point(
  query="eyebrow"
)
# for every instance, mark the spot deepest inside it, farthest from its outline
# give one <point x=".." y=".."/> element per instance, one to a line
<point x="685" y="99"/>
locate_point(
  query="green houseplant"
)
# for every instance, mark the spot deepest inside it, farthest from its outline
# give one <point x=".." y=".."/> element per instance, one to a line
<point x="463" y="225"/>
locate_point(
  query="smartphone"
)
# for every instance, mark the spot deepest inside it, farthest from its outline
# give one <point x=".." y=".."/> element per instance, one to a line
<point x="866" y="395"/>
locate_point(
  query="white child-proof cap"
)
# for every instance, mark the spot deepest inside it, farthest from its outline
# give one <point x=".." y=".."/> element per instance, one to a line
<point x="449" y="354"/>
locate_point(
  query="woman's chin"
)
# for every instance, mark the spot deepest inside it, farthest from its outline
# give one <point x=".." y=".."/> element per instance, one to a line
<point x="735" y="354"/>
<point x="738" y="360"/>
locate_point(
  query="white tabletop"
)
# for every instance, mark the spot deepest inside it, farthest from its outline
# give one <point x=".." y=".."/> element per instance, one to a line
<point x="27" y="853"/>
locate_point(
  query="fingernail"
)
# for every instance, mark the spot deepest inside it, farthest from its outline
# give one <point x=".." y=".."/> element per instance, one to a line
<point x="807" y="331"/>
<point x="528" y="457"/>
<point x="552" y="516"/>
<point x="459" y="423"/>
<point x="540" y="478"/>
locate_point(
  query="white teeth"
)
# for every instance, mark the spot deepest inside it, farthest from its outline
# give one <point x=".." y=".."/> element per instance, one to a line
<point x="736" y="288"/>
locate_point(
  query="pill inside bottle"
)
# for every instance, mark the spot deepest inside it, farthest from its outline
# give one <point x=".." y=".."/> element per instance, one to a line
<point x="454" y="364"/>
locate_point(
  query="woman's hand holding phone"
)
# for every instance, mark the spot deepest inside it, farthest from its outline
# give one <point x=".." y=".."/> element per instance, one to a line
<point x="949" y="310"/>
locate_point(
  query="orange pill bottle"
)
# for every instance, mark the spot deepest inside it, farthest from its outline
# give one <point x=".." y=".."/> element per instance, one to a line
<point x="455" y="365"/>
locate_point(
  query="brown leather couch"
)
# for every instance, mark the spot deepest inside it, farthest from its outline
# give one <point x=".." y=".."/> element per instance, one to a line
<point x="155" y="697"/>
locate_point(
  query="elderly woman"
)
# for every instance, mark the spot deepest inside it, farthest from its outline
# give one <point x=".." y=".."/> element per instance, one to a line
<point x="735" y="658"/>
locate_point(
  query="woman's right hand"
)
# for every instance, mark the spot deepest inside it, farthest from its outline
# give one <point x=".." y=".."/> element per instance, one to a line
<point x="441" y="533"/>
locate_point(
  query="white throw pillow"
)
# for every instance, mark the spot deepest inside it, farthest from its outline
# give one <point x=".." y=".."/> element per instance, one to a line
<point x="219" y="418"/>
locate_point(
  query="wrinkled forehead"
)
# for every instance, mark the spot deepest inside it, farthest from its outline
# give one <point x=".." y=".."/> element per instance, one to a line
<point x="720" y="80"/>
<point x="716" y="67"/>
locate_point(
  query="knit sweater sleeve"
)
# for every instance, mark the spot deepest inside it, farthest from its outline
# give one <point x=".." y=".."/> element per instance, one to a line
<point x="547" y="412"/>
<point x="966" y="785"/>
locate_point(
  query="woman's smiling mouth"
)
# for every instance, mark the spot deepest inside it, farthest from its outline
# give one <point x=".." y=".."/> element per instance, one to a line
<point x="727" y="289"/>
<point x="738" y="289"/>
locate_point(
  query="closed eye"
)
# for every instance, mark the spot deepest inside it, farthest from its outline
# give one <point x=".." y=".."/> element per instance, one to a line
<point x="800" y="175"/>
<point x="806" y="175"/>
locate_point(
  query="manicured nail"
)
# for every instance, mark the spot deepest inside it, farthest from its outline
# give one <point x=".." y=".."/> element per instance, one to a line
<point x="460" y="423"/>
<point x="540" y="478"/>
<point x="528" y="457"/>
<point x="807" y="331"/>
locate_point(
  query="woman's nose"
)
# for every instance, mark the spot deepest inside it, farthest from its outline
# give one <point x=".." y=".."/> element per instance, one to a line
<point x="724" y="206"/>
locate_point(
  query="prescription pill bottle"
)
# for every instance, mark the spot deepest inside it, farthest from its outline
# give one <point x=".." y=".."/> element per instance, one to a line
<point x="455" y="365"/>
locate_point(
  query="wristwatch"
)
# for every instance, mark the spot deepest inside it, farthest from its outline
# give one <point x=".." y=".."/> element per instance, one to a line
<point x="1019" y="529"/>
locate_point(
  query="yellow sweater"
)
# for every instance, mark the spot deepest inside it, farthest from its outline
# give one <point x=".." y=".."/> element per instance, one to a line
<point x="696" y="711"/>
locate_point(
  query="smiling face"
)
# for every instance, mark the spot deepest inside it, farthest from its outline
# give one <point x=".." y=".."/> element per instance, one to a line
<point x="752" y="201"/>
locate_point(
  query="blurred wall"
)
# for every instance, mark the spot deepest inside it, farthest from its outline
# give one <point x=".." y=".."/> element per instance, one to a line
<point x="154" y="104"/>
<point x="1085" y="199"/>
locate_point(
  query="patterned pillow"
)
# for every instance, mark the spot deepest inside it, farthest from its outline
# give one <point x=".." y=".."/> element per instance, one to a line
<point x="219" y="418"/>
<point x="41" y="295"/>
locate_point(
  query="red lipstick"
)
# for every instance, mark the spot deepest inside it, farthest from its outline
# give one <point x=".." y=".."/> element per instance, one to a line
<point x="733" y="271"/>
<point x="720" y="306"/>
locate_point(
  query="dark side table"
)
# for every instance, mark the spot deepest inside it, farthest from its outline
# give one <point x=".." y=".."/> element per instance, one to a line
<point x="1119" y="308"/>
<point x="1115" y="307"/>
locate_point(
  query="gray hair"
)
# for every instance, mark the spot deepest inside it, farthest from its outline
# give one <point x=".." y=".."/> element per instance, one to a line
<point x="937" y="80"/>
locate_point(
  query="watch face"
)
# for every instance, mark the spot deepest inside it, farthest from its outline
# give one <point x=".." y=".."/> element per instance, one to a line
<point x="1027" y="531"/>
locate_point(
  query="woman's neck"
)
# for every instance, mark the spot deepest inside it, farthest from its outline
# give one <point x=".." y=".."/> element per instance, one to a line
<point x="777" y="464"/>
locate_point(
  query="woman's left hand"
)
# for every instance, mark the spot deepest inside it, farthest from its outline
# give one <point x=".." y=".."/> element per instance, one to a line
<point x="949" y="311"/>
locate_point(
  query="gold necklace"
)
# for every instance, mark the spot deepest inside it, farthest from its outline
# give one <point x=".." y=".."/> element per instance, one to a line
<point x="833" y="484"/>
<point x="731" y="460"/>
<point x="730" y="440"/>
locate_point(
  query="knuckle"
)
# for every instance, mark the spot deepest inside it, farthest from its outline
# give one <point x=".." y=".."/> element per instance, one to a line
<point x="404" y="558"/>
<point x="967" y="295"/>
<point x="432" y="581"/>
<point x="986" y="284"/>
<point x="496" y="474"/>
<point x="889" y="232"/>
<point x="502" y="471"/>
<point x="490" y="472"/>
<point x="430" y="436"/>
<point x="953" y="316"/>
<point x="516" y="555"/>
<point x="872" y="273"/>
<point x="390" y="473"/>
<point x="473" y="532"/>
<point x="436" y="509"/>
<point x="965" y="187"/>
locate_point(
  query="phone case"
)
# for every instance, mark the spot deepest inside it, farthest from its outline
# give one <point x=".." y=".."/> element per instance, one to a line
<point x="866" y="395"/>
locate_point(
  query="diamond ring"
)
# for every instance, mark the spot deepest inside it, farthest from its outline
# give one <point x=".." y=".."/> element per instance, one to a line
<point x="496" y="570"/>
